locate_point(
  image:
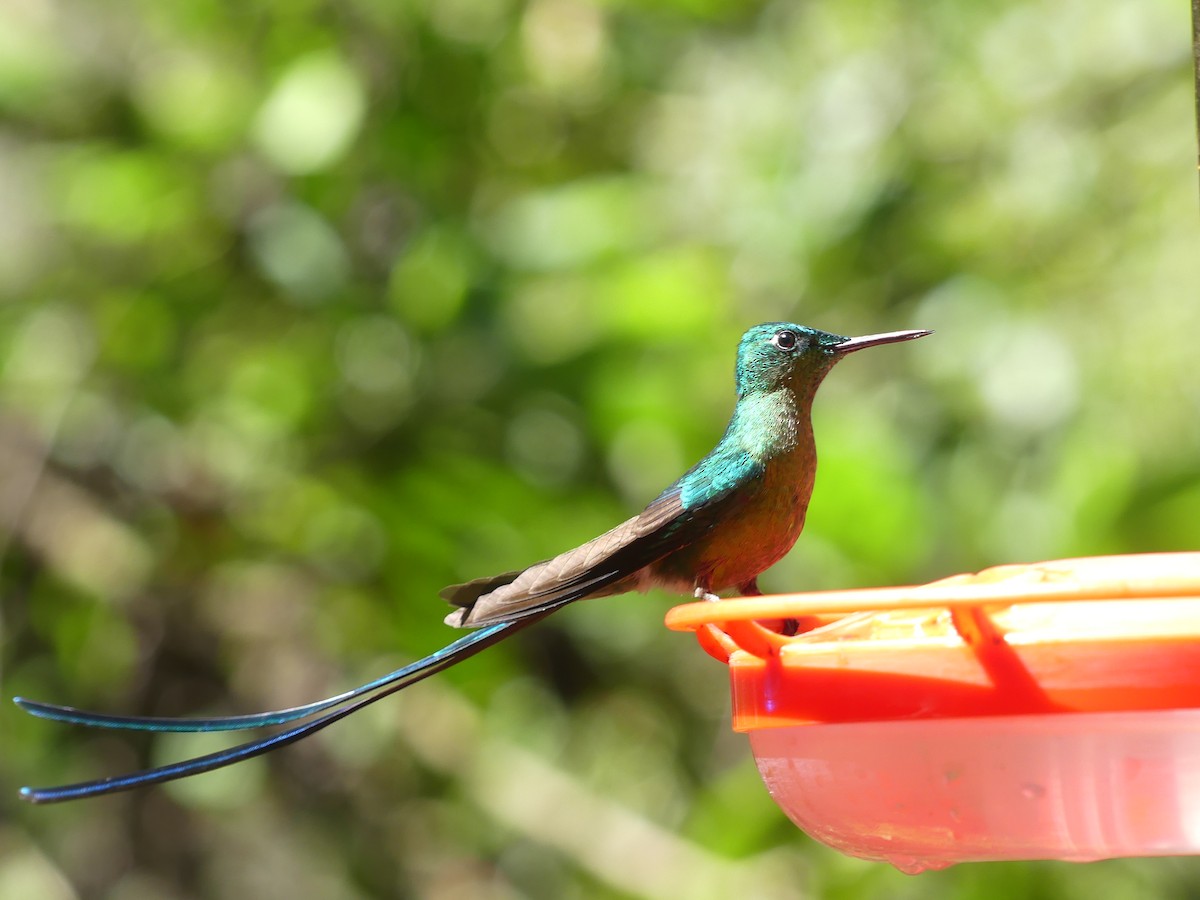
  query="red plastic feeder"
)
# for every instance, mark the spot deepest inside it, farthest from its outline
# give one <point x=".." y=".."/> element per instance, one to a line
<point x="1044" y="711"/>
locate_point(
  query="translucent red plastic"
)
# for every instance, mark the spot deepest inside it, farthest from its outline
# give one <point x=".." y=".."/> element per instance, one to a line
<point x="1037" y="711"/>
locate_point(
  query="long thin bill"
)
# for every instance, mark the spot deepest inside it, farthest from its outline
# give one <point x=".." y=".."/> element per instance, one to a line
<point x="874" y="340"/>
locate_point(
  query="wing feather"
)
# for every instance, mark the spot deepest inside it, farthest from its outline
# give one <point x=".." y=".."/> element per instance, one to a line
<point x="675" y="519"/>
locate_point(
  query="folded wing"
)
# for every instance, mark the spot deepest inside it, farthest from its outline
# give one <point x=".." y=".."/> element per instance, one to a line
<point x="678" y="517"/>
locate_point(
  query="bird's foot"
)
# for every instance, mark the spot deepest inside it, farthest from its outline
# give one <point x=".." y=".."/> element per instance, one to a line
<point x="703" y="593"/>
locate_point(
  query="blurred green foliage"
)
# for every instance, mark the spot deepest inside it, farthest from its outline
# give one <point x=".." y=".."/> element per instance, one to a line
<point x="307" y="309"/>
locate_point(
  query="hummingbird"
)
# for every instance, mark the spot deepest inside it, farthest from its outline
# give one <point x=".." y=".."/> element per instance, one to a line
<point x="728" y="518"/>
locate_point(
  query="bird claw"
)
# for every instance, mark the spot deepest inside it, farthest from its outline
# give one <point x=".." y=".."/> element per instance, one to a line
<point x="702" y="593"/>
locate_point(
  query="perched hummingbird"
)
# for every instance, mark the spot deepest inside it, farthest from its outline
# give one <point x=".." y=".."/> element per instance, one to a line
<point x="731" y="516"/>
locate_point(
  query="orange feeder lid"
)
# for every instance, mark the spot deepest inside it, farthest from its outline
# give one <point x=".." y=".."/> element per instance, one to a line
<point x="928" y="725"/>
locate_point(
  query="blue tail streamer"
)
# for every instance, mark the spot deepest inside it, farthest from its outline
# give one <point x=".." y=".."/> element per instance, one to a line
<point x="73" y="716"/>
<point x="387" y="685"/>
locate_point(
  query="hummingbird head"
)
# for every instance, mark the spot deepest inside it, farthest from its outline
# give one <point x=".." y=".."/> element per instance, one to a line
<point x="777" y="355"/>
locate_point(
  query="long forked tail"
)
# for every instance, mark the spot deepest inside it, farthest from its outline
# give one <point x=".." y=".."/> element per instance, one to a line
<point x="361" y="696"/>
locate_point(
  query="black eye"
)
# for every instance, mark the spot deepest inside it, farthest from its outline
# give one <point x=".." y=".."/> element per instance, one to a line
<point x="784" y="340"/>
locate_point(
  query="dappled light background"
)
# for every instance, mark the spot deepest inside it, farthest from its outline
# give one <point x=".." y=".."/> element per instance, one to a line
<point x="308" y="309"/>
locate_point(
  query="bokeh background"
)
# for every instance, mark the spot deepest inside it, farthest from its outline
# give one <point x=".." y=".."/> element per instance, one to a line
<point x="310" y="308"/>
